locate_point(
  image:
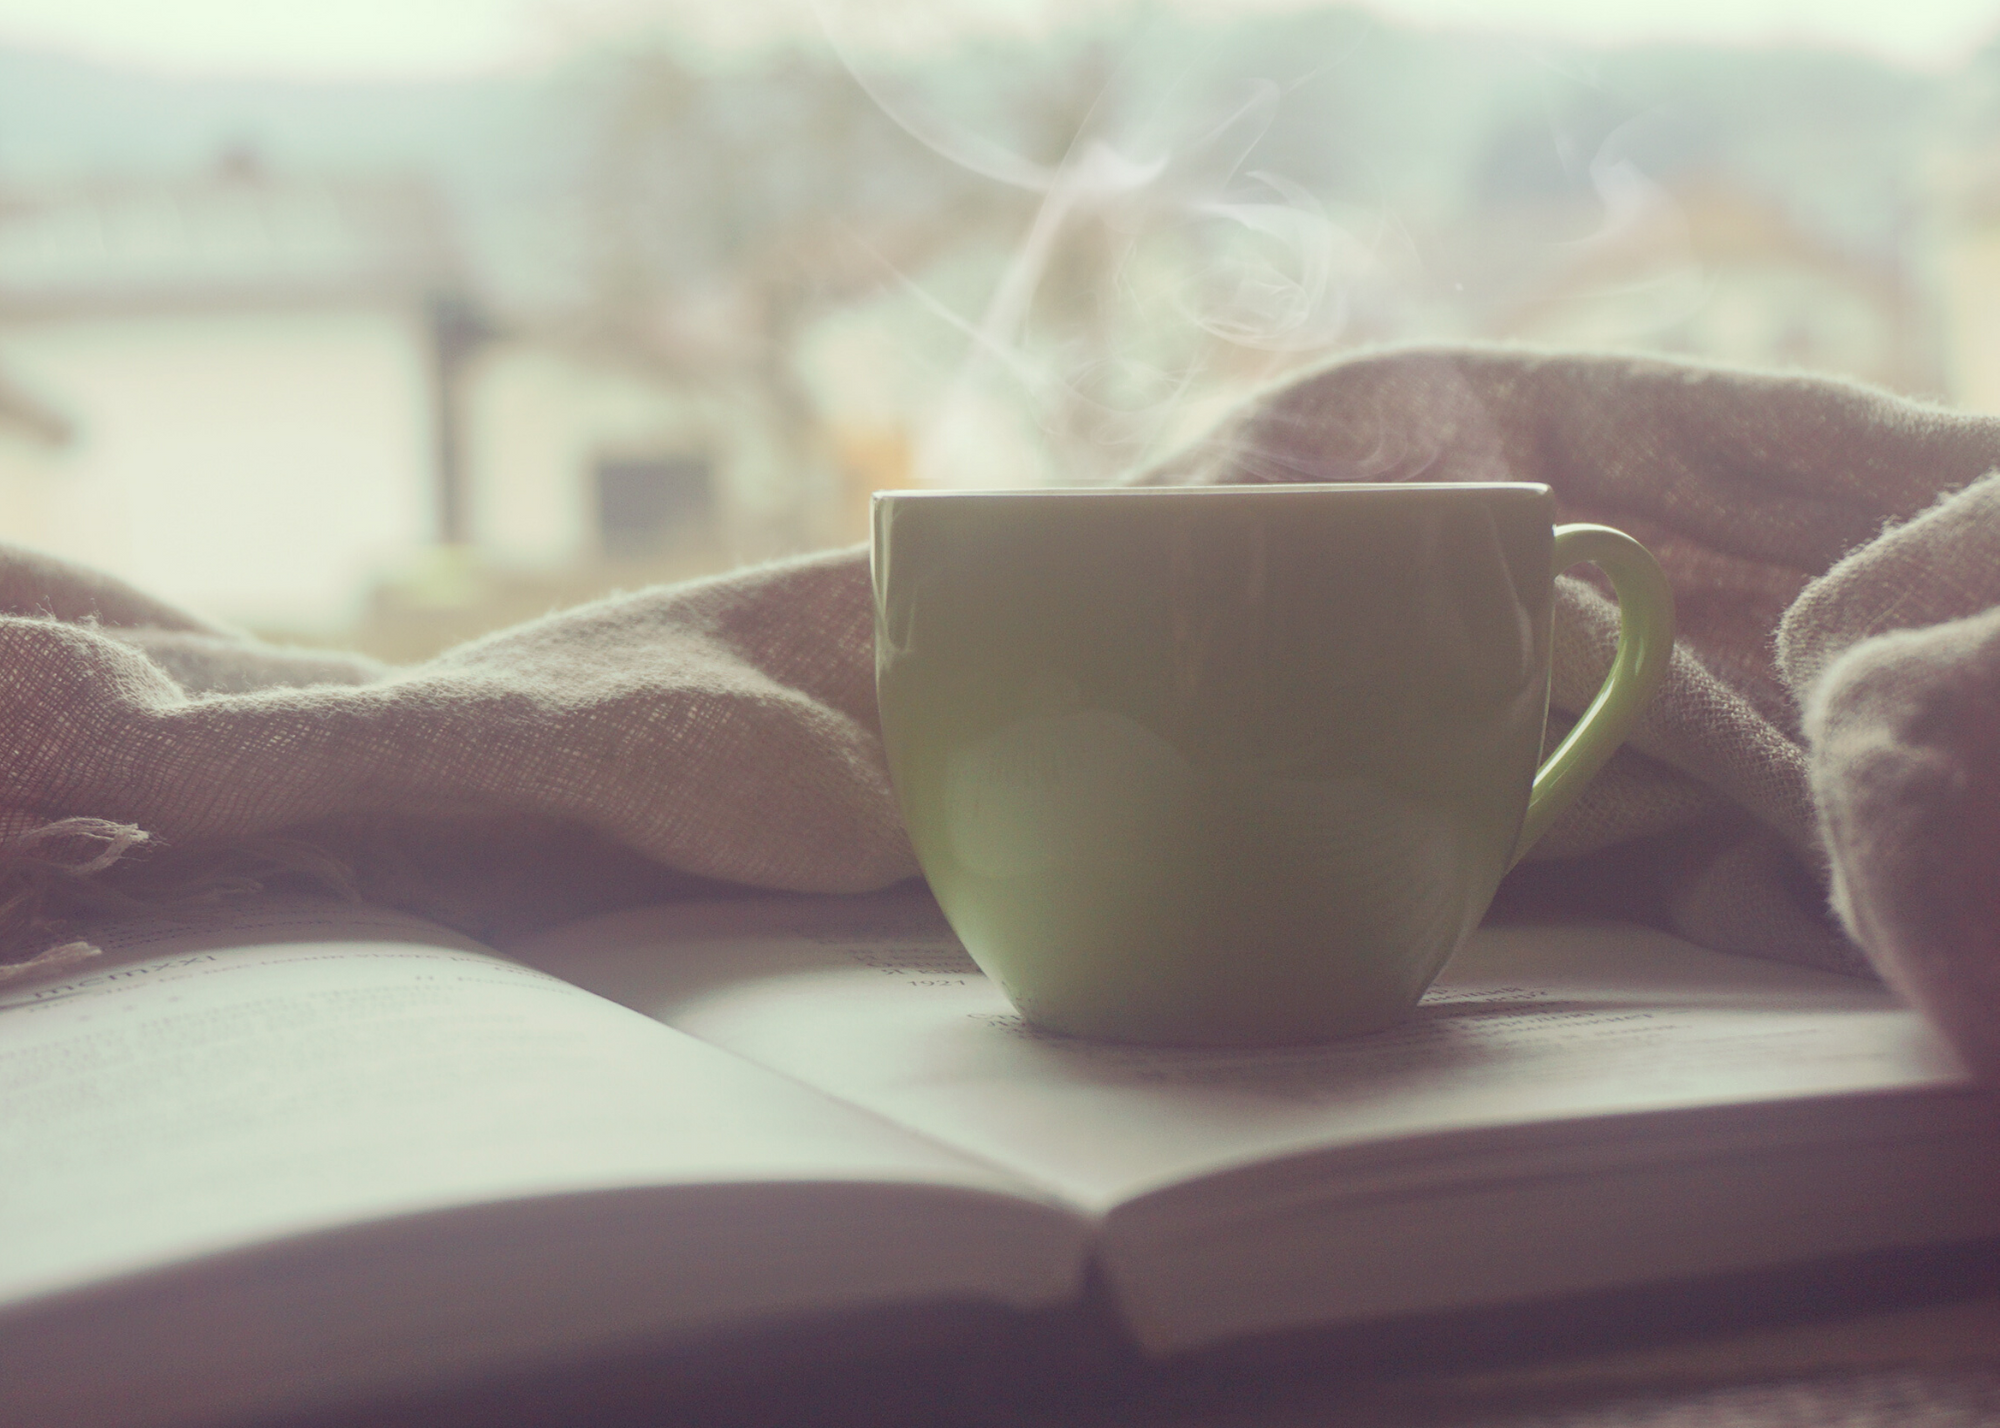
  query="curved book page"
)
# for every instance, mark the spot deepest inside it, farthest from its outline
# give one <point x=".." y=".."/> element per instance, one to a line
<point x="303" y="1153"/>
<point x="1572" y="1108"/>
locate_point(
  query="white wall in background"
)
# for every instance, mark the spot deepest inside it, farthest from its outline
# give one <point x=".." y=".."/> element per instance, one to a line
<point x="256" y="466"/>
<point x="536" y="420"/>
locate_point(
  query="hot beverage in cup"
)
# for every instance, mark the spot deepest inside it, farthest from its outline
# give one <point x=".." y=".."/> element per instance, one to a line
<point x="1233" y="765"/>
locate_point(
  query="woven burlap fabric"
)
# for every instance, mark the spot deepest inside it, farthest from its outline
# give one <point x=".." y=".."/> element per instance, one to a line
<point x="722" y="730"/>
<point x="725" y="731"/>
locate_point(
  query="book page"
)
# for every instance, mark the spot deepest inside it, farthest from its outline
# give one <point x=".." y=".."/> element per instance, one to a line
<point x="237" y="1077"/>
<point x="1530" y="1027"/>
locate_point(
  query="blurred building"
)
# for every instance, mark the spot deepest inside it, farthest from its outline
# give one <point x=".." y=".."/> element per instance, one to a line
<point x="1965" y="261"/>
<point x="1712" y="270"/>
<point x="269" y="398"/>
<point x="578" y="470"/>
<point x="247" y="371"/>
<point x="33" y="440"/>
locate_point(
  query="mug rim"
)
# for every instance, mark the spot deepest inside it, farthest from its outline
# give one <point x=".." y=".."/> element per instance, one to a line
<point x="1261" y="489"/>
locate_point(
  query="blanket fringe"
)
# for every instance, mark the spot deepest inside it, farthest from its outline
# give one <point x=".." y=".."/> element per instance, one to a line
<point x="57" y="877"/>
<point x="49" y="959"/>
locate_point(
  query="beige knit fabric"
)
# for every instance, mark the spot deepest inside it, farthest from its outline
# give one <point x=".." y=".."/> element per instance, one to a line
<point x="725" y="730"/>
<point x="719" y="730"/>
<point x="1899" y="650"/>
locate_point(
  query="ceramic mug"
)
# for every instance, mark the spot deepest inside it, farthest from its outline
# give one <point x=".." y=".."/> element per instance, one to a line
<point x="1234" y="765"/>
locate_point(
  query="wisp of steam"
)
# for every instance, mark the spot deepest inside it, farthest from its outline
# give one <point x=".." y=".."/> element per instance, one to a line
<point x="1164" y="270"/>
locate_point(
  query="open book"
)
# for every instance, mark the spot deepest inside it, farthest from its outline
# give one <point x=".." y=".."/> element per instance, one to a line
<point x="282" y="1158"/>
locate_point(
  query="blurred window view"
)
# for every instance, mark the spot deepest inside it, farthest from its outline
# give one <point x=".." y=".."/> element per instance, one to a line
<point x="642" y="503"/>
<point x="386" y="325"/>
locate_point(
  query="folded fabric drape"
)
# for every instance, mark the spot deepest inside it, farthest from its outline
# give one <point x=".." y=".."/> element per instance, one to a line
<point x="1832" y="721"/>
<point x="1830" y="729"/>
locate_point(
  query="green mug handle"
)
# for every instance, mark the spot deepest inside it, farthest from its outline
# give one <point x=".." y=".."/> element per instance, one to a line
<point x="1645" y="647"/>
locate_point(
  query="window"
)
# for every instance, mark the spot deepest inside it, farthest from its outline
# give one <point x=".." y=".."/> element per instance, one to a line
<point x="313" y="303"/>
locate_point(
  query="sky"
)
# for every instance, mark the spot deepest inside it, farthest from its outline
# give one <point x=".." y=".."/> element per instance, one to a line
<point x="381" y="39"/>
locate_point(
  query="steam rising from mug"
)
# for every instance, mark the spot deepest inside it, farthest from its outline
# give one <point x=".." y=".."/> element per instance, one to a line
<point x="1276" y="275"/>
<point x="1209" y="272"/>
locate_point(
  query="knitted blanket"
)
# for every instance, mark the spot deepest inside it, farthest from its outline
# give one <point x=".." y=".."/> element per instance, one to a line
<point x="1819" y="780"/>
